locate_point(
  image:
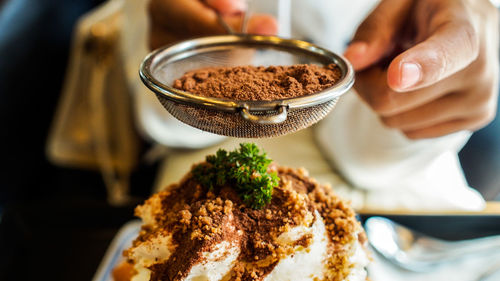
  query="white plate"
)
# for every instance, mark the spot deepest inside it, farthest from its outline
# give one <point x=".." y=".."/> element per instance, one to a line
<point x="113" y="256"/>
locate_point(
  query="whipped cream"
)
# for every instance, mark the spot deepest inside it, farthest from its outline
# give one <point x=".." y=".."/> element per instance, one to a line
<point x="303" y="264"/>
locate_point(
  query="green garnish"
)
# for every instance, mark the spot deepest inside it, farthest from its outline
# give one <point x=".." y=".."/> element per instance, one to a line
<point x="244" y="169"/>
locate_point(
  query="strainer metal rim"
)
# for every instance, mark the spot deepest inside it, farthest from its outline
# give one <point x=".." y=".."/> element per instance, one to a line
<point x="194" y="46"/>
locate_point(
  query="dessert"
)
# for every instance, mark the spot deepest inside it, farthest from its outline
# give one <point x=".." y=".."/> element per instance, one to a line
<point x="259" y="82"/>
<point x="237" y="216"/>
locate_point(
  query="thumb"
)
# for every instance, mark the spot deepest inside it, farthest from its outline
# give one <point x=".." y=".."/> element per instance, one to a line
<point x="452" y="44"/>
<point x="374" y="37"/>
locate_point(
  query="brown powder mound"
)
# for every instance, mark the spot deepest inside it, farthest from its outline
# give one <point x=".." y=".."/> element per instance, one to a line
<point x="259" y="82"/>
<point x="199" y="219"/>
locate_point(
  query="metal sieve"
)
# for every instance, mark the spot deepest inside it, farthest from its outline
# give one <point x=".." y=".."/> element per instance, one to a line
<point x="245" y="119"/>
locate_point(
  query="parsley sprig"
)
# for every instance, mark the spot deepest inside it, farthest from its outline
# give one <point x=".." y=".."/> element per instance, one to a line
<point x="244" y="169"/>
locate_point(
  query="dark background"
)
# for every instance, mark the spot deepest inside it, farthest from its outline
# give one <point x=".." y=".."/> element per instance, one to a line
<point x="54" y="222"/>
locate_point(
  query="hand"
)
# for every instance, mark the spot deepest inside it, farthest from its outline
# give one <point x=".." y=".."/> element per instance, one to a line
<point x="429" y="67"/>
<point x="175" y="20"/>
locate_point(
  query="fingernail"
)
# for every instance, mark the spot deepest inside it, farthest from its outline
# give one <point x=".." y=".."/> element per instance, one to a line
<point x="410" y="75"/>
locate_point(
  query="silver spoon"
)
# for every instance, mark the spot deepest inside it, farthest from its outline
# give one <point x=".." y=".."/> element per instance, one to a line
<point x="418" y="252"/>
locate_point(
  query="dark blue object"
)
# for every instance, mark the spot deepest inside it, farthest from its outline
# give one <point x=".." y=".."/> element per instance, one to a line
<point x="447" y="227"/>
<point x="480" y="160"/>
<point x="35" y="37"/>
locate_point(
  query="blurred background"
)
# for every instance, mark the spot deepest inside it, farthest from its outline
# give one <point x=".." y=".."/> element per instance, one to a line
<point x="48" y="213"/>
<point x="42" y="203"/>
<point x="35" y="41"/>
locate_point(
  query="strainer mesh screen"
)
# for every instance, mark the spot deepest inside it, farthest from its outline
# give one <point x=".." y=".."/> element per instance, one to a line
<point x="233" y="125"/>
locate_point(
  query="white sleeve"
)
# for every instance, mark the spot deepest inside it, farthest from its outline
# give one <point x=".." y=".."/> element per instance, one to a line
<point x="395" y="171"/>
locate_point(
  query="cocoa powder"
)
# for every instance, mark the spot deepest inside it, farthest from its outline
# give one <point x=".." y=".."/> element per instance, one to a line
<point x="259" y="82"/>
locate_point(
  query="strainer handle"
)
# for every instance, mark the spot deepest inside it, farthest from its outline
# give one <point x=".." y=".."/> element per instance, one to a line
<point x="265" y="119"/>
<point x="224" y="24"/>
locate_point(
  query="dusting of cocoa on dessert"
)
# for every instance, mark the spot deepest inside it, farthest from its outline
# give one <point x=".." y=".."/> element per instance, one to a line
<point x="259" y="82"/>
<point x="200" y="218"/>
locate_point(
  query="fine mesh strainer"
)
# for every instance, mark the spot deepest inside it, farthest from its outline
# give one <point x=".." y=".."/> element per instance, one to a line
<point x="245" y="119"/>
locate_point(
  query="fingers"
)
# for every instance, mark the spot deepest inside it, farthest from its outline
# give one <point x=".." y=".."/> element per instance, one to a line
<point x="452" y="46"/>
<point x="444" y="109"/>
<point x="160" y="37"/>
<point x="374" y="38"/>
<point x="466" y="110"/>
<point x="228" y="7"/>
<point x="262" y="24"/>
<point x="191" y="17"/>
<point x="471" y="124"/>
<point x="372" y="87"/>
<point x="174" y="20"/>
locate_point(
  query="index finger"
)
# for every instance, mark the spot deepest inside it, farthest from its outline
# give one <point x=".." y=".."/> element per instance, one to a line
<point x="451" y="47"/>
